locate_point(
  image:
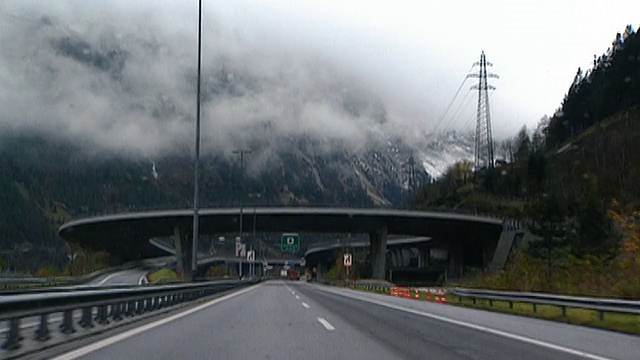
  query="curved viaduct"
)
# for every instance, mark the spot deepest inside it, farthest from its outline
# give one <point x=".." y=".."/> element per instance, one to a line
<point x="470" y="238"/>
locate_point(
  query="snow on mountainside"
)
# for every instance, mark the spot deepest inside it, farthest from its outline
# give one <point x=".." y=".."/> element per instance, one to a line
<point x="446" y="149"/>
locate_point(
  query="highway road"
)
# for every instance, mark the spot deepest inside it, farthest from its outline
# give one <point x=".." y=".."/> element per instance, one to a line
<point x="287" y="320"/>
<point x="124" y="277"/>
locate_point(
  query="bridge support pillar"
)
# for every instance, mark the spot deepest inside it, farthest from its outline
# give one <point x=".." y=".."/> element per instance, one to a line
<point x="394" y="258"/>
<point x="378" y="243"/>
<point x="184" y="245"/>
<point x="456" y="262"/>
<point x="406" y="257"/>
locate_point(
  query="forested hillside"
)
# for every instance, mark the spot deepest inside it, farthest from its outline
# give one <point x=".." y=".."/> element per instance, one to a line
<point x="573" y="182"/>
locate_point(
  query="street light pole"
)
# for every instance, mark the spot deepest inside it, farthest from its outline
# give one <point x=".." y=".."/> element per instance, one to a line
<point x="257" y="197"/>
<point x="253" y="242"/>
<point x="196" y="166"/>
<point x="241" y="152"/>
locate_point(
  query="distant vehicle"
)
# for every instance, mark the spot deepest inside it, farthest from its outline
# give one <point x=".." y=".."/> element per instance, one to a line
<point x="294" y="275"/>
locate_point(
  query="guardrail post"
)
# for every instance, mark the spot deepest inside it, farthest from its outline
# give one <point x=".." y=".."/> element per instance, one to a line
<point x="116" y="314"/>
<point x="42" y="332"/>
<point x="86" y="320"/>
<point x="564" y="311"/>
<point x="601" y="315"/>
<point x="101" y="316"/>
<point x="156" y="303"/>
<point x="13" y="336"/>
<point x="473" y="299"/>
<point x="510" y="304"/>
<point x="535" y="308"/>
<point x="67" y="322"/>
<point x="140" y="306"/>
<point x="491" y="302"/>
<point x="131" y="308"/>
<point x="148" y="305"/>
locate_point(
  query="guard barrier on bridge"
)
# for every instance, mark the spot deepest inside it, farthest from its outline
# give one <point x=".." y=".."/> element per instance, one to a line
<point x="97" y="306"/>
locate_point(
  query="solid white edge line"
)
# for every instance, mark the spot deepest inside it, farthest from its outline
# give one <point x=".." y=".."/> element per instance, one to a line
<point x="107" y="278"/>
<point x="525" y="339"/>
<point x="122" y="336"/>
<point x="326" y="324"/>
<point x="143" y="279"/>
<point x="306" y="306"/>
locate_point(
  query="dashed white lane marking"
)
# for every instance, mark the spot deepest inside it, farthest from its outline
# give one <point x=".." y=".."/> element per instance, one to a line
<point x="297" y="297"/>
<point x="305" y="305"/>
<point x="326" y="324"/>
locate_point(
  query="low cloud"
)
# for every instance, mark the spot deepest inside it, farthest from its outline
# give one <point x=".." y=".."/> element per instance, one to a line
<point x="122" y="77"/>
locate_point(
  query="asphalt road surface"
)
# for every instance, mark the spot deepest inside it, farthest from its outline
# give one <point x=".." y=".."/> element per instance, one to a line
<point x="124" y="277"/>
<point x="287" y="320"/>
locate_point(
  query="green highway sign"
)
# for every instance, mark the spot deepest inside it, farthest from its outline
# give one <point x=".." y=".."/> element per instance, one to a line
<point x="290" y="243"/>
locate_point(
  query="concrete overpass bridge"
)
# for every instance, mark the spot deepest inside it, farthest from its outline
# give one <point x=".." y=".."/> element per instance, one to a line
<point x="467" y="239"/>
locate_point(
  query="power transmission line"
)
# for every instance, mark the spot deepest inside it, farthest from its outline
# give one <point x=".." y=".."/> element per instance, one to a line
<point x="484" y="156"/>
<point x="449" y="106"/>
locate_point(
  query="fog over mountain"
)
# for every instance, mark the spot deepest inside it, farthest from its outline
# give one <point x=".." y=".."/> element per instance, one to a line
<point x="122" y="79"/>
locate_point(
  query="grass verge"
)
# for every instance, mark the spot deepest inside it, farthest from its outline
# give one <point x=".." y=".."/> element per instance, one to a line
<point x="627" y="323"/>
<point x="162" y="276"/>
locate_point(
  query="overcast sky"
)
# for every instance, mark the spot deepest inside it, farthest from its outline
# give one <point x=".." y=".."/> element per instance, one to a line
<point x="420" y="51"/>
<point x="402" y="59"/>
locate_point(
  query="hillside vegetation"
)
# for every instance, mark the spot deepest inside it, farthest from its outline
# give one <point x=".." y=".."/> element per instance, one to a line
<point x="573" y="181"/>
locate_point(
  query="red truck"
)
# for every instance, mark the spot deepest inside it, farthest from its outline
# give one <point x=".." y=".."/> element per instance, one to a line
<point x="294" y="275"/>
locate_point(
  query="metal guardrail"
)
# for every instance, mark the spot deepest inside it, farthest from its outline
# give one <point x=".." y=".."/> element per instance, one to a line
<point x="597" y="304"/>
<point x="111" y="304"/>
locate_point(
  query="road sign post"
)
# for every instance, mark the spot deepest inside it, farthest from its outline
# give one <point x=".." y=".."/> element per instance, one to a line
<point x="251" y="257"/>
<point x="241" y="250"/>
<point x="290" y="242"/>
<point x="348" y="261"/>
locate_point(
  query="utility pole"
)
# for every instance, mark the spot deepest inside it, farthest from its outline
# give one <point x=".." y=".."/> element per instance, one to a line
<point x="241" y="152"/>
<point x="256" y="197"/>
<point x="254" y="238"/>
<point x="411" y="173"/>
<point x="484" y="138"/>
<point x="196" y="165"/>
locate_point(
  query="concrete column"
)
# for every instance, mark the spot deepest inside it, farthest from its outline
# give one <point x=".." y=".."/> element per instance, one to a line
<point x="321" y="270"/>
<point x="394" y="258"/>
<point x="424" y="258"/>
<point x="184" y="246"/>
<point x="455" y="261"/>
<point x="378" y="243"/>
<point x="406" y="257"/>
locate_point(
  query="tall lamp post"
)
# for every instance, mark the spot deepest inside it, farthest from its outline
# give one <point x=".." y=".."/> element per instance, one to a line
<point x="196" y="166"/>
<point x="241" y="152"/>
<point x="256" y="196"/>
